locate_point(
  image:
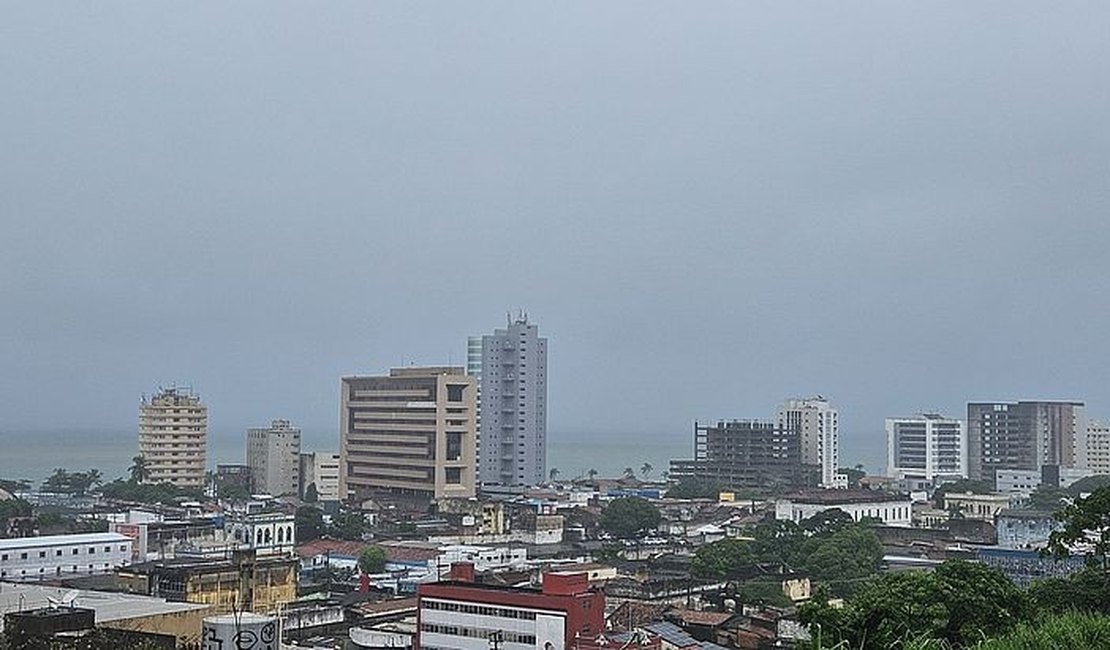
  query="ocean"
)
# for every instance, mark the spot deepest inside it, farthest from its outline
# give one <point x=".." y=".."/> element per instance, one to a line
<point x="35" y="454"/>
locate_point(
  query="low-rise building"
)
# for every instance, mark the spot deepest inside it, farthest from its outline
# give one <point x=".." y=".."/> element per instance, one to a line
<point x="114" y="610"/>
<point x="39" y="558"/>
<point x="984" y="507"/>
<point x="890" y="509"/>
<point x="265" y="532"/>
<point x="1025" y="528"/>
<point x="240" y="582"/>
<point x="462" y="614"/>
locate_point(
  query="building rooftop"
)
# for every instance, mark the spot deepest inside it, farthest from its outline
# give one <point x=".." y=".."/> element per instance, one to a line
<point x="63" y="540"/>
<point x="108" y="606"/>
<point x="836" y="497"/>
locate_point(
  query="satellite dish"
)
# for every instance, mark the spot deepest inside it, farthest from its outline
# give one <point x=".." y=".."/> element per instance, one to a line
<point x="70" y="599"/>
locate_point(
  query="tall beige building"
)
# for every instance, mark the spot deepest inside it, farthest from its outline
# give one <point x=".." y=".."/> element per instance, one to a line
<point x="173" y="437"/>
<point x="411" y="432"/>
<point x="320" y="470"/>
<point x="274" y="458"/>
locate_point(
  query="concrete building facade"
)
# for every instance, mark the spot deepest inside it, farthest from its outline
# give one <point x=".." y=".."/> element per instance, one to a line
<point x="410" y="432"/>
<point x="274" y="458"/>
<point x="818" y="427"/>
<point x="891" y="509"/>
<point x="744" y="453"/>
<point x="565" y="613"/>
<point x="173" y="437"/>
<point x="48" y="557"/>
<point x="320" y="470"/>
<point x="1098" y="447"/>
<point x="512" y="375"/>
<point x="1025" y="436"/>
<point x="926" y="447"/>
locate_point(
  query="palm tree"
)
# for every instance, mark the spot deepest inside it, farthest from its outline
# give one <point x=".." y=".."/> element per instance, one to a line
<point x="629" y="473"/>
<point x="646" y="469"/>
<point x="91" y="479"/>
<point x="138" y="469"/>
<point x="592" y="473"/>
<point x="553" y="474"/>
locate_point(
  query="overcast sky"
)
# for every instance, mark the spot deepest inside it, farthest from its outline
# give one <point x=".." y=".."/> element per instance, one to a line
<point x="707" y="207"/>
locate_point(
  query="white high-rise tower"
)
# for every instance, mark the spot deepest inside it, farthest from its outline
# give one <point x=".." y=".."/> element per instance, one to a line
<point x="512" y="409"/>
<point x="818" y="426"/>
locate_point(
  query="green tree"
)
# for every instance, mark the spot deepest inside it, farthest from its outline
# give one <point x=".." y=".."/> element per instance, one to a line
<point x="628" y="516"/>
<point x="349" y="526"/>
<point x="308" y="524"/>
<point x="1085" y="591"/>
<point x="765" y="590"/>
<point x="138" y="469"/>
<point x="722" y="559"/>
<point x="1088" y="485"/>
<point x="311" y="494"/>
<point x="1085" y="521"/>
<point x="1048" y="498"/>
<point x="646" y="469"/>
<point x="629" y="473"/>
<point x="960" y="603"/>
<point x="553" y="474"/>
<point x="693" y="488"/>
<point x="372" y="559"/>
<point x="591" y="473"/>
<point x="845" y="558"/>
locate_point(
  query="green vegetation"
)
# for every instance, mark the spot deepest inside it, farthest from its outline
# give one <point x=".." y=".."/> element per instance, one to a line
<point x="959" y="487"/>
<point x="349" y="526"/>
<point x="1085" y="521"/>
<point x="692" y="488"/>
<point x="830" y="548"/>
<point x="372" y="560"/>
<point x="308" y="523"/>
<point x="165" y="493"/>
<point x="967" y="605"/>
<point x="75" y="483"/>
<point x="629" y="516"/>
<point x="960" y="603"/>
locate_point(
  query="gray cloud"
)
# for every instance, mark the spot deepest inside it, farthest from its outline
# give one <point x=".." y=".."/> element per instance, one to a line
<point x="707" y="208"/>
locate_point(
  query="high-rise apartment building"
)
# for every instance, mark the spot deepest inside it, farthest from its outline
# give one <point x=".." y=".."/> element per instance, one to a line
<point x="1025" y="436"/>
<point x="925" y="447"/>
<point x="410" y="432"/>
<point x="512" y="369"/>
<point x="1098" y="447"/>
<point x="744" y="454"/>
<point x="818" y="426"/>
<point x="320" y="472"/>
<point x="173" y="437"/>
<point x="274" y="458"/>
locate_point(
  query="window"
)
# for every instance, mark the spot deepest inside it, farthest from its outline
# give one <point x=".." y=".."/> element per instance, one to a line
<point x="23" y="556"/>
<point x="42" y="553"/>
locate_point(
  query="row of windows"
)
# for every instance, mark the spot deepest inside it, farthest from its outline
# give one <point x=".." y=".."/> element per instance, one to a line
<point x="478" y="633"/>
<point x="481" y="610"/>
<point x="57" y="571"/>
<point x="58" y="552"/>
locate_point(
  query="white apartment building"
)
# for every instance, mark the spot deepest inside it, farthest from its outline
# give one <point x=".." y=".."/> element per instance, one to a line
<point x="818" y="426"/>
<point x="40" y="558"/>
<point x="321" y="470"/>
<point x="1098" y="447"/>
<point x="274" y="458"/>
<point x="926" y="447"/>
<point x="511" y="368"/>
<point x="892" y="510"/>
<point x="173" y="437"/>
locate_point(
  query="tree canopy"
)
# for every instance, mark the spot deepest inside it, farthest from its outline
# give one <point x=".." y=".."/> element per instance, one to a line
<point x="1085" y="522"/>
<point x="372" y="559"/>
<point x="629" y="516"/>
<point x="959" y="603"/>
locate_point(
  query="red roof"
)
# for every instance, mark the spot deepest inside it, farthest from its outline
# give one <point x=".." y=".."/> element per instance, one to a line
<point x="338" y="548"/>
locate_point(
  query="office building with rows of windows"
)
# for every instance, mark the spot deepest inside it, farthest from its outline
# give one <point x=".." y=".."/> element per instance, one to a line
<point x="410" y="432"/>
<point x="173" y="437"/>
